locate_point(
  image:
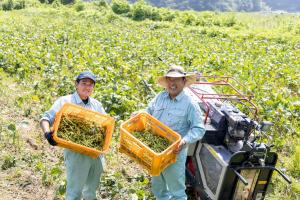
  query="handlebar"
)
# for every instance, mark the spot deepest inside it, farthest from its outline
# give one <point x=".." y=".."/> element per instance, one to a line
<point x="235" y="170"/>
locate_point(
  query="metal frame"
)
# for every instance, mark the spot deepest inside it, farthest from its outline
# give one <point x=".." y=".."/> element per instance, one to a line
<point x="224" y="81"/>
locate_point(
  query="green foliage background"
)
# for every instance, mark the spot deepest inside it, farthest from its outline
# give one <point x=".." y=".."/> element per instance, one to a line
<point x="42" y="48"/>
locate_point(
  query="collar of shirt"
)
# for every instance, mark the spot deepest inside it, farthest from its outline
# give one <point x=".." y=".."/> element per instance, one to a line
<point x="177" y="98"/>
<point x="78" y="100"/>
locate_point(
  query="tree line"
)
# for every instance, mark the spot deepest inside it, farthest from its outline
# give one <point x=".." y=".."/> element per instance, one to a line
<point x="228" y="5"/>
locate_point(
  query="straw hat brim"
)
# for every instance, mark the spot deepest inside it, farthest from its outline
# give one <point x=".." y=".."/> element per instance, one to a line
<point x="190" y="79"/>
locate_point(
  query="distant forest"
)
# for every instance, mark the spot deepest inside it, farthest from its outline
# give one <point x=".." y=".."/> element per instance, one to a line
<point x="286" y="5"/>
<point x="228" y="5"/>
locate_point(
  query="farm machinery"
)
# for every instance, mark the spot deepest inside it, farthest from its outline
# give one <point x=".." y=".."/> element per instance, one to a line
<point x="228" y="163"/>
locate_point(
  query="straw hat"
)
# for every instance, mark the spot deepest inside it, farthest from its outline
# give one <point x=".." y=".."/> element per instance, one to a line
<point x="176" y="72"/>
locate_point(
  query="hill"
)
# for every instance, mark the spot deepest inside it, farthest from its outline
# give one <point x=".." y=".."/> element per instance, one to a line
<point x="229" y="5"/>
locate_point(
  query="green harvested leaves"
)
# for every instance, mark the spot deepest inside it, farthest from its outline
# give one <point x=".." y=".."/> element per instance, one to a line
<point x="156" y="142"/>
<point x="81" y="131"/>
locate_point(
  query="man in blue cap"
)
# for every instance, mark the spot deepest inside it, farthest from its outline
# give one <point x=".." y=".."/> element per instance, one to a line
<point x="83" y="172"/>
<point x="176" y="109"/>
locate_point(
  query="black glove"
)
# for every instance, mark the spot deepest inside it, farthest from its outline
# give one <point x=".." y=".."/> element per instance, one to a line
<point x="49" y="137"/>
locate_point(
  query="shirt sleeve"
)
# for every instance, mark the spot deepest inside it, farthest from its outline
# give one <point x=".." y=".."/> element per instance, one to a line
<point x="195" y="119"/>
<point x="100" y="108"/>
<point x="50" y="114"/>
<point x="151" y="105"/>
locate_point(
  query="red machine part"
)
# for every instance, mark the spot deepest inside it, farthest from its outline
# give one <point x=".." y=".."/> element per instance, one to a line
<point x="227" y="82"/>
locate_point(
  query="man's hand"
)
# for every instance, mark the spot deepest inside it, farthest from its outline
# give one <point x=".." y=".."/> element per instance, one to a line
<point x="49" y="137"/>
<point x="180" y="146"/>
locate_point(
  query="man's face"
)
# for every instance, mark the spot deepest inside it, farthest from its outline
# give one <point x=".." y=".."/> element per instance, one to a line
<point x="175" y="85"/>
<point x="85" y="88"/>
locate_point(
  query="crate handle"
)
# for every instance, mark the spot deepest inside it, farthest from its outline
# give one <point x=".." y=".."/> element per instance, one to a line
<point x="161" y="128"/>
<point x="170" y="151"/>
<point x="132" y="122"/>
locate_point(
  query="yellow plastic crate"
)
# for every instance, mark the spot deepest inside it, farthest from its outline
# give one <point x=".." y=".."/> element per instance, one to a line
<point x="153" y="162"/>
<point x="105" y="121"/>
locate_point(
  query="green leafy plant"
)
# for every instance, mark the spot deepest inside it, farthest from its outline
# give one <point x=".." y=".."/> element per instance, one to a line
<point x="120" y="6"/>
<point x="295" y="166"/>
<point x="100" y="3"/>
<point x="13" y="132"/>
<point x="9" y="162"/>
<point x="8" y="5"/>
<point x="52" y="175"/>
<point x="62" y="188"/>
<point x="79" y="6"/>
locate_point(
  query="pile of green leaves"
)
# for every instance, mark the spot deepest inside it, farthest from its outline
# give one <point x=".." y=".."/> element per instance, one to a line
<point x="81" y="131"/>
<point x="155" y="142"/>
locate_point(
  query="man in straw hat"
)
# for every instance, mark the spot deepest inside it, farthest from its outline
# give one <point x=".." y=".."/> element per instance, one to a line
<point x="176" y="109"/>
<point x="83" y="172"/>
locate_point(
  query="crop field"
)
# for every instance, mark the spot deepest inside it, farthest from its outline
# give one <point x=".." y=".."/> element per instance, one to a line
<point x="42" y="48"/>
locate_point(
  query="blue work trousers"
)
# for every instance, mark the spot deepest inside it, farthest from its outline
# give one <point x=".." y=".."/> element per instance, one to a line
<point x="170" y="184"/>
<point x="83" y="175"/>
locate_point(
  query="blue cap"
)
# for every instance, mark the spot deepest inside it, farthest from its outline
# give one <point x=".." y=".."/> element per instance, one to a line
<point x="86" y="74"/>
